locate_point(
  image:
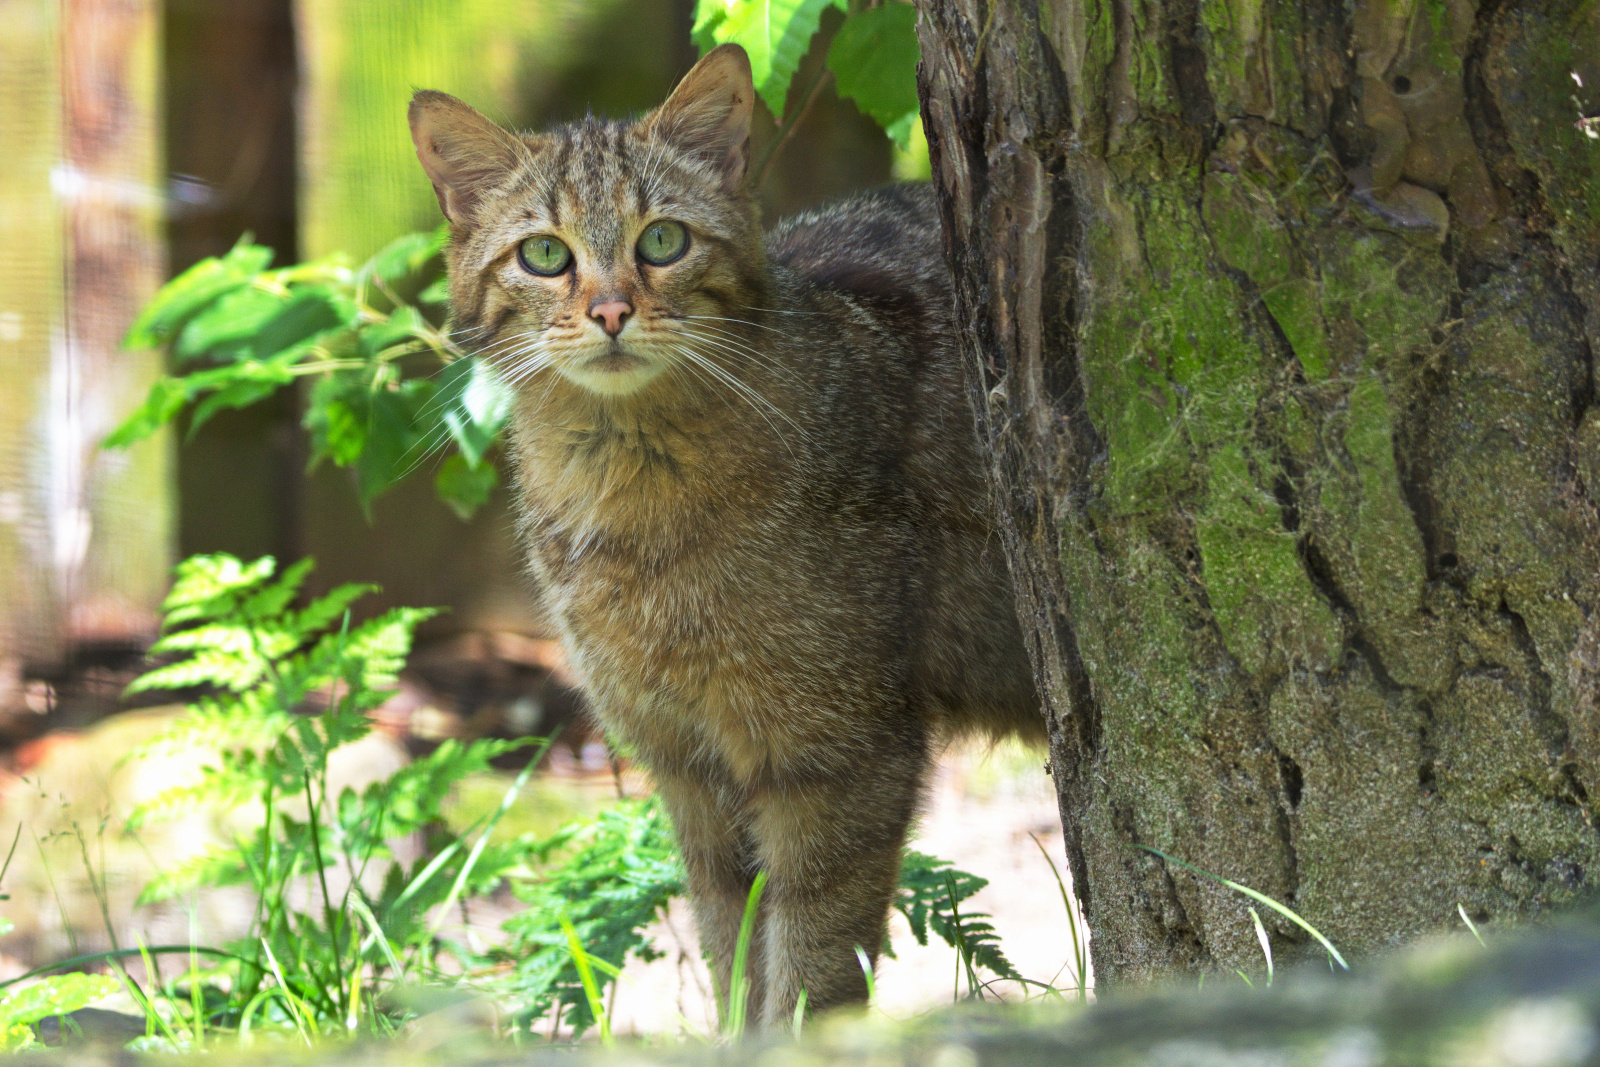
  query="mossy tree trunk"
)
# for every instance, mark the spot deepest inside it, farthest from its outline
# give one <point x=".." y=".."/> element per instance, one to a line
<point x="1281" y="321"/>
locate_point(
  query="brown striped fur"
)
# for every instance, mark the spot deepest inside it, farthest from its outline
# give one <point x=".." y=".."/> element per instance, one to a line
<point x="756" y="514"/>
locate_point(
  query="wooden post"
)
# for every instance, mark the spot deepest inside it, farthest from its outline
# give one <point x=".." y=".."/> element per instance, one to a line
<point x="84" y="534"/>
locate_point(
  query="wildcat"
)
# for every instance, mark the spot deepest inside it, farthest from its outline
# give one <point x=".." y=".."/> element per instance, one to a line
<point x="749" y="485"/>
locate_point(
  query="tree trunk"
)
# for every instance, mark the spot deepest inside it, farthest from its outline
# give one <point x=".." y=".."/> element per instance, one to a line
<point x="1281" y="321"/>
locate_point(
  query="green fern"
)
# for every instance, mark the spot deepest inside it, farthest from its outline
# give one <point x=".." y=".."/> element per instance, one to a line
<point x="267" y="666"/>
<point x="931" y="893"/>
<point x="609" y="877"/>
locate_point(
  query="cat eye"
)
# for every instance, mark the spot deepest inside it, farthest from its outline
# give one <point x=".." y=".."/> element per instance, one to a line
<point x="663" y="241"/>
<point x="544" y="255"/>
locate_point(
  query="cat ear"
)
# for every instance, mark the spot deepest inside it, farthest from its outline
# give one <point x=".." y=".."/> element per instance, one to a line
<point x="464" y="153"/>
<point x="709" y="112"/>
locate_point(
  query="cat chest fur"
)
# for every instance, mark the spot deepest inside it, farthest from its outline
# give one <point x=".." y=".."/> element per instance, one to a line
<point x="709" y="606"/>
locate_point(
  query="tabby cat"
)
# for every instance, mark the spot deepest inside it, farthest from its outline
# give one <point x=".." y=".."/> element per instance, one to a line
<point x="749" y="486"/>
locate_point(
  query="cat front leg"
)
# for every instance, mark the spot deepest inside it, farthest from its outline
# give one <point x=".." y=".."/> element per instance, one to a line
<point x="831" y="848"/>
<point x="719" y="860"/>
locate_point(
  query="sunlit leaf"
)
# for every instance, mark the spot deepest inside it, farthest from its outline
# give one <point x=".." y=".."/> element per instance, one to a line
<point x="437" y="292"/>
<point x="473" y="406"/>
<point x="775" y="33"/>
<point x="166" y="399"/>
<point x="404" y="256"/>
<point x="874" y="63"/>
<point x="226" y="328"/>
<point x="193" y="290"/>
<point x="57" y="995"/>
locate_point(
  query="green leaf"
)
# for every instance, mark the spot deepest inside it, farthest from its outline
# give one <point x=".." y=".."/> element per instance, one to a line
<point x="193" y="290"/>
<point x="437" y="292"/>
<point x="57" y="995"/>
<point x="406" y="324"/>
<point x="167" y="397"/>
<point x="241" y="384"/>
<point x="328" y="609"/>
<point x="265" y="322"/>
<point x="464" y="487"/>
<point x="708" y="15"/>
<point x="212" y="585"/>
<point x="405" y="256"/>
<point x="310" y="312"/>
<point x="226" y="328"/>
<point x="473" y="405"/>
<point x="332" y="417"/>
<point x="775" y="33"/>
<point x="874" y="62"/>
<point x="394" y="442"/>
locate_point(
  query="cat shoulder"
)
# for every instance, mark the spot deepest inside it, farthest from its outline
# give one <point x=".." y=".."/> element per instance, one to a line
<point x="882" y="247"/>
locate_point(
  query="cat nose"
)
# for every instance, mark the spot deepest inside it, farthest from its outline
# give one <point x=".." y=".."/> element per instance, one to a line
<point x="610" y="314"/>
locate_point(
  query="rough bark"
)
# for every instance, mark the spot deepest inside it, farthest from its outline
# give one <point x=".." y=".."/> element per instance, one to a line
<point x="1281" y="320"/>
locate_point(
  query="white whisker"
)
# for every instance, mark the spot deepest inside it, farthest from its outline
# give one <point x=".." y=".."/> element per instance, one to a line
<point x="738" y="347"/>
<point x="764" y="407"/>
<point x="726" y="318"/>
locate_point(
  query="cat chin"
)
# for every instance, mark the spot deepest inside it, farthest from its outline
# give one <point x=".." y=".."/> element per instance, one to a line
<point x="613" y="379"/>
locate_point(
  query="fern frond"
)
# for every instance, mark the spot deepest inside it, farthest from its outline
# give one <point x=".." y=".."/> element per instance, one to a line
<point x="214" y="867"/>
<point x="329" y="608"/>
<point x="210" y="586"/>
<point x="619" y="871"/>
<point x="931" y="892"/>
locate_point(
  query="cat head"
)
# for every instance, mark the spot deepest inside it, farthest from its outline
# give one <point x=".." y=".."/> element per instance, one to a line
<point x="605" y="252"/>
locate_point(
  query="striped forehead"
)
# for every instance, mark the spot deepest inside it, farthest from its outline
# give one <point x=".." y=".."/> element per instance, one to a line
<point x="580" y="171"/>
<point x="595" y="173"/>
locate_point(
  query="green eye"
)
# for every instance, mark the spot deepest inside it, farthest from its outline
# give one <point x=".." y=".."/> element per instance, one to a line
<point x="663" y="241"/>
<point x="544" y="255"/>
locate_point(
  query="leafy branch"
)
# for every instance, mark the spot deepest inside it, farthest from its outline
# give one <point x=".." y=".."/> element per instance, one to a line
<point x="236" y="332"/>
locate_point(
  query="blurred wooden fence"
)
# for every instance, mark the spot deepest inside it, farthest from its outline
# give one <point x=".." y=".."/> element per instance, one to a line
<point x="85" y="535"/>
<point x="142" y="135"/>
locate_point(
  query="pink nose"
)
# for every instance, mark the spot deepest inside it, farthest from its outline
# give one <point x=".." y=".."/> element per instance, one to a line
<point x="611" y="314"/>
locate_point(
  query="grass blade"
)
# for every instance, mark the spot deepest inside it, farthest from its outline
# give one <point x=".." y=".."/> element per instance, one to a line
<point x="1080" y="954"/>
<point x="1286" y="912"/>
<point x="1266" y="943"/>
<point x="739" y="982"/>
<point x="591" y="989"/>
<point x="866" y="972"/>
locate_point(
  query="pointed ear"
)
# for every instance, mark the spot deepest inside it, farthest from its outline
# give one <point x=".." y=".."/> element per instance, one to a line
<point x="464" y="153"/>
<point x="709" y="112"/>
